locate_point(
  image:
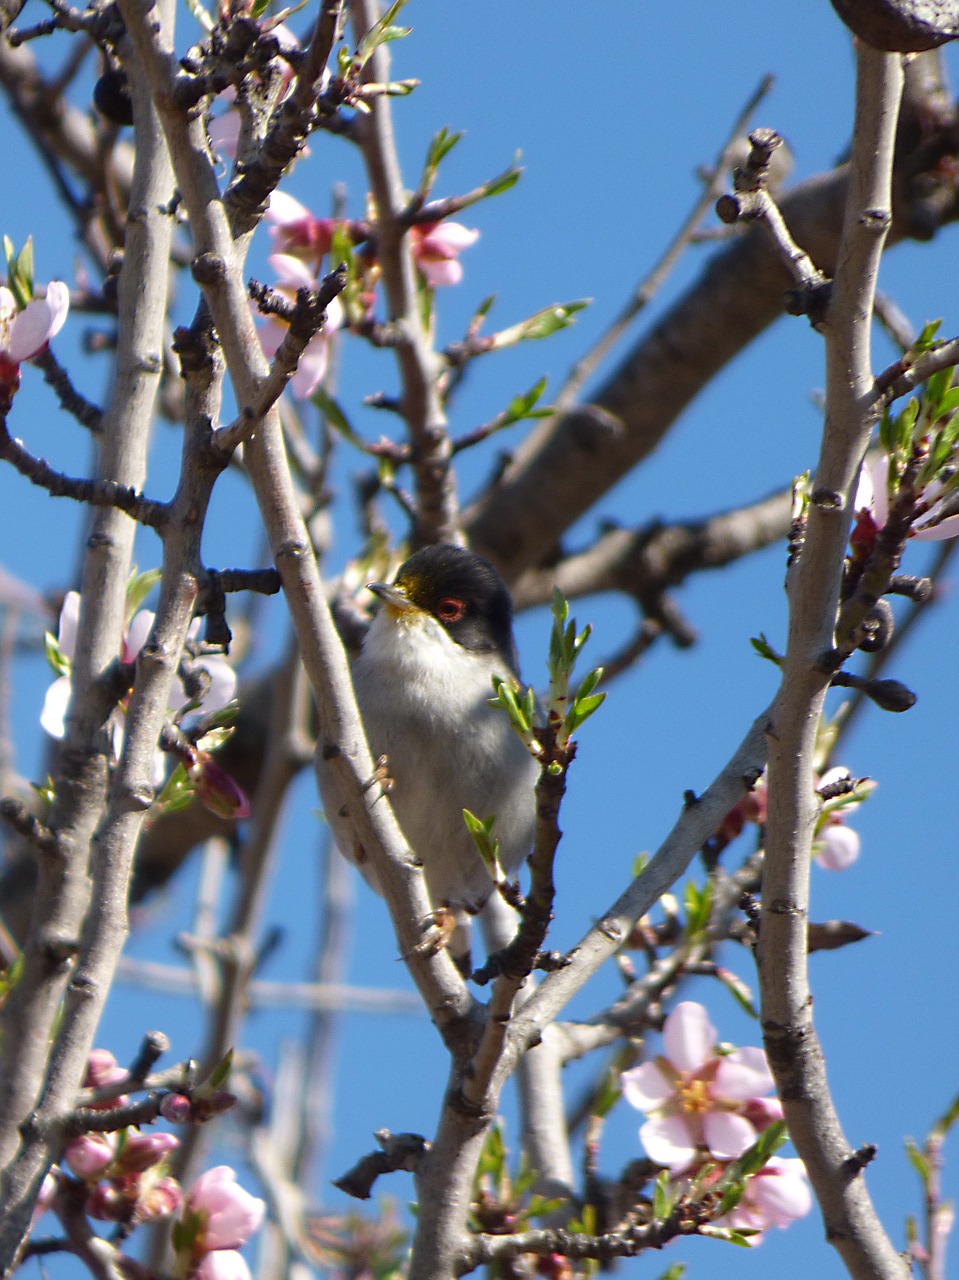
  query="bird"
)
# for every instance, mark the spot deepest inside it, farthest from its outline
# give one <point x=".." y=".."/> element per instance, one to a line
<point x="423" y="681"/>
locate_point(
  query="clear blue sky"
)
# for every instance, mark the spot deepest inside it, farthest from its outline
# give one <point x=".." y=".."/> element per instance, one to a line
<point x="613" y="106"/>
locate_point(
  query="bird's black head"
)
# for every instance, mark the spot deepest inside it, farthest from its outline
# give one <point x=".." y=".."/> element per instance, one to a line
<point x="463" y="592"/>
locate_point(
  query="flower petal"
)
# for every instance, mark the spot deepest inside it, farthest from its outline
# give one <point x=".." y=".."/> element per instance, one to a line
<point x="284" y="209"/>
<point x="645" y="1086"/>
<point x="451" y="237"/>
<point x="947" y="528"/>
<point x="837" y="847"/>
<point x="137" y="633"/>
<point x="441" y="272"/>
<point x="668" y="1141"/>
<point x="780" y="1191"/>
<point x="743" y="1075"/>
<point x="222" y="685"/>
<point x="727" y="1135"/>
<point x="689" y="1036"/>
<point x="32" y="328"/>
<point x="292" y="271"/>
<point x="67" y="628"/>
<point x="55" y="703"/>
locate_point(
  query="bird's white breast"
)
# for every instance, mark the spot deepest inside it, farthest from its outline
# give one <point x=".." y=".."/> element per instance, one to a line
<point x="424" y="701"/>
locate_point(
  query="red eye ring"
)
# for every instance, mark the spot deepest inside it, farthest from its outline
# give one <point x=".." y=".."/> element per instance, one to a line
<point x="450" y="609"/>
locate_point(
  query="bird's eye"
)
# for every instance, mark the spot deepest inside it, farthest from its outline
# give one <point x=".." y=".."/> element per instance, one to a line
<point x="450" y="609"/>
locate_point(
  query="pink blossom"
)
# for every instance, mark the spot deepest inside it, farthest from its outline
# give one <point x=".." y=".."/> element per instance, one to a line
<point x="232" y="1214"/>
<point x="698" y="1101"/>
<point x="56" y="703"/>
<point x="88" y="1155"/>
<point x="292" y="275"/>
<point x="294" y="230"/>
<point x="159" y="1199"/>
<point x="222" y="1264"/>
<point x="436" y="250"/>
<point x="217" y="790"/>
<point x="774" y="1197"/>
<point x="102" y="1066"/>
<point x="837" y="846"/>
<point x="24" y="334"/>
<point x="872" y="496"/>
<point x="143" y="1150"/>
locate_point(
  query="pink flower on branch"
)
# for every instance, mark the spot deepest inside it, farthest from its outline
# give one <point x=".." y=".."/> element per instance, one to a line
<point x="229" y="1213"/>
<point x="292" y="274"/>
<point x="436" y="249"/>
<point x="700" y="1104"/>
<point x="872" y="506"/>
<point x="294" y="230"/>
<point x="24" y="334"/>
<point x="222" y="677"/>
<point x="776" y="1196"/>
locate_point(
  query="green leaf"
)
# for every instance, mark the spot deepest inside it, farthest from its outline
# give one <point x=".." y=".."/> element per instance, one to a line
<point x="336" y="418"/>
<point x="57" y="660"/>
<point x="381" y="32"/>
<point x="663" y="1197"/>
<point x="542" y="324"/>
<point x="739" y="991"/>
<point x="936" y="388"/>
<point x="221" y="1072"/>
<point x="887" y="435"/>
<point x="138" y="588"/>
<point x="521" y="406"/>
<point x="505" y="180"/>
<point x="918" y="1160"/>
<point x="24" y="267"/>
<point x="905" y="424"/>
<point x="581" y="710"/>
<point x="948" y="1118"/>
<point x="441" y="145"/>
<point x="675" y="1272"/>
<point x="926" y="338"/>
<point x="950" y="401"/>
<point x="765" y="649"/>
<point x="699" y="905"/>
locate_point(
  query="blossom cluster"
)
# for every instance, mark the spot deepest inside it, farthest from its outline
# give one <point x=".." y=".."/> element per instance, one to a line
<point x="217" y="790"/>
<point x="707" y="1107"/>
<point x="301" y="242"/>
<point x="836" y="846"/>
<point x="124" y="1178"/>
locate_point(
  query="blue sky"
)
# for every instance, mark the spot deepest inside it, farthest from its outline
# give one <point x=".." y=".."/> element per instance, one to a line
<point x="613" y="106"/>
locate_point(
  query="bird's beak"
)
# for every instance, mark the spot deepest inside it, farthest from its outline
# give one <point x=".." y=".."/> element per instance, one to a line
<point x="395" y="598"/>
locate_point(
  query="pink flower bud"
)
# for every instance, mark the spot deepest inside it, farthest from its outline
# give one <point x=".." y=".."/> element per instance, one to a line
<point x="91" y="1153"/>
<point x="161" y="1200"/>
<point x="106" y="1203"/>
<point x="217" y="790"/>
<point x="177" y="1108"/>
<point x="232" y="1214"/>
<point x="141" y="1150"/>
<point x="102" y="1068"/>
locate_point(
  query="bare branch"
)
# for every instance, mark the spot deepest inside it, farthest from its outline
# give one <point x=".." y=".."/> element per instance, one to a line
<point x="791" y="1044"/>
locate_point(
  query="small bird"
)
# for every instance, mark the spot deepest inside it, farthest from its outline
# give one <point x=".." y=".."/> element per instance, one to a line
<point x="423" y="681"/>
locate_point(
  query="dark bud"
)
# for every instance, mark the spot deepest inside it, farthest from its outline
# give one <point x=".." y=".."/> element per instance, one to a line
<point x="919" y="590"/>
<point x="833" y="934"/>
<point x="877" y="627"/>
<point x="810" y="300"/>
<point x="901" y="26"/>
<point x="111" y="97"/>
<point x="890" y="695"/>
